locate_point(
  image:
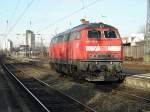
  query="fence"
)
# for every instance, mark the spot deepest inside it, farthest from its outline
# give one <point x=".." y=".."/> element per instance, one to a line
<point x="136" y="52"/>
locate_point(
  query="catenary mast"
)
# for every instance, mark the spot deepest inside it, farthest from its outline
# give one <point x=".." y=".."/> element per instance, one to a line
<point x="148" y="19"/>
<point x="147" y="35"/>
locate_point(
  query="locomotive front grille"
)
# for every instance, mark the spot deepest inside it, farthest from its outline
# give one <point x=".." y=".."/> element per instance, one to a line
<point x="99" y="56"/>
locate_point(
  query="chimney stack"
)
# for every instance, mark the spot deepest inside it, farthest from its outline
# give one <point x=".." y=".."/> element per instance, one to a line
<point x="83" y="21"/>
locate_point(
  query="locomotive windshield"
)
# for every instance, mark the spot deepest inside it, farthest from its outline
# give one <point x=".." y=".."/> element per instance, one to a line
<point x="94" y="34"/>
<point x="110" y="34"/>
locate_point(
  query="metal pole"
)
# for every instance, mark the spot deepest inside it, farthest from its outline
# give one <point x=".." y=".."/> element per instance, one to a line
<point x="148" y="19"/>
<point x="42" y="49"/>
<point x="41" y="46"/>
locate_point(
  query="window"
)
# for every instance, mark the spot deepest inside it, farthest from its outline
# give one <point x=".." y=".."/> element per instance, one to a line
<point x="74" y="35"/>
<point x="60" y="39"/>
<point x="55" y="40"/>
<point x="110" y="34"/>
<point x="66" y="37"/>
<point x="77" y="35"/>
<point x="94" y="34"/>
<point x="52" y="41"/>
<point x="71" y="36"/>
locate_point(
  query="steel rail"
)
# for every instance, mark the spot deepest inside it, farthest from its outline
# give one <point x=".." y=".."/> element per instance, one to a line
<point x="121" y="92"/>
<point x="136" y="96"/>
<point x="43" y="106"/>
<point x="87" y="107"/>
<point x="47" y="85"/>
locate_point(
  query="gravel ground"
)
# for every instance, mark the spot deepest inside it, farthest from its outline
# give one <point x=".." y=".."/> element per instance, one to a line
<point x="100" y="99"/>
<point x="136" y="67"/>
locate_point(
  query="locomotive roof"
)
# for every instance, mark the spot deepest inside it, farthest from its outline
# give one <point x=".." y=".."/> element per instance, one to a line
<point x="90" y="25"/>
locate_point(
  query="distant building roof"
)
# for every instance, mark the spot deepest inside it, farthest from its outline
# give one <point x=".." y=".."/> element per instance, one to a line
<point x="133" y="38"/>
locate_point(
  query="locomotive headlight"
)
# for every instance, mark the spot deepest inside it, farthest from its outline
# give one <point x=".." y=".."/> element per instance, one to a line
<point x="90" y="55"/>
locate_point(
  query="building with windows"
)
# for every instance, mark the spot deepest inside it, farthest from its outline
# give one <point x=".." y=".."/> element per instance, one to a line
<point x="30" y="39"/>
<point x="7" y="45"/>
<point x="133" y="39"/>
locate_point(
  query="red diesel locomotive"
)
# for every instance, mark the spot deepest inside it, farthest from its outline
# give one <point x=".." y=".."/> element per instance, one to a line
<point x="91" y="51"/>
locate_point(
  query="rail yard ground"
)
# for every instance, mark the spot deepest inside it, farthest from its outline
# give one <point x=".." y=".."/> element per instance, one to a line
<point x="103" y="97"/>
<point x="138" y="67"/>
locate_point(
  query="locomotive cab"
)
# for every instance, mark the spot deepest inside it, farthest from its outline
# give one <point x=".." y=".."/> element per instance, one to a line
<point x="103" y="47"/>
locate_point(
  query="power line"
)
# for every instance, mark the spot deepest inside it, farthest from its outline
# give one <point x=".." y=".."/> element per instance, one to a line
<point x="71" y="14"/>
<point x="20" y="17"/>
<point x="11" y="17"/>
<point x="82" y="3"/>
<point x="14" y="12"/>
<point x="6" y="27"/>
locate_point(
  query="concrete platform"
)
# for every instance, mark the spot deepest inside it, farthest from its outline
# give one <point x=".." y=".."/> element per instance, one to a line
<point x="10" y="99"/>
<point x="141" y="81"/>
<point x="145" y="76"/>
<point x="7" y="101"/>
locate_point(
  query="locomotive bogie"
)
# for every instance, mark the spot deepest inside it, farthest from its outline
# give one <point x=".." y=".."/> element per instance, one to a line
<point x="91" y="71"/>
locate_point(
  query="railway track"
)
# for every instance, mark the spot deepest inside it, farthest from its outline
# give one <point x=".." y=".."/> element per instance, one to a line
<point x="50" y="99"/>
<point x="121" y="90"/>
<point x="129" y="93"/>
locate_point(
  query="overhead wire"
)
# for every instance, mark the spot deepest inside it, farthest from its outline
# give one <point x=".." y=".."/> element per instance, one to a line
<point x="14" y="12"/>
<point x="12" y="16"/>
<point x="83" y="5"/>
<point x="69" y="15"/>
<point x="8" y="23"/>
<point x="6" y="27"/>
<point x="20" y="17"/>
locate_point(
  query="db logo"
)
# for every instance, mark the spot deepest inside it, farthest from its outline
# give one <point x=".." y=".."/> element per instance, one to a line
<point x="104" y="48"/>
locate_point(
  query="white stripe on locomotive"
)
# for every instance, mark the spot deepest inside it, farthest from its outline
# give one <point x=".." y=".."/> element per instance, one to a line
<point x="103" y="48"/>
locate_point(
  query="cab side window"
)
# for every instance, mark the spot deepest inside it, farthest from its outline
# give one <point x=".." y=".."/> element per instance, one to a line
<point x="60" y="39"/>
<point x="74" y="35"/>
<point x="110" y="34"/>
<point x="52" y="41"/>
<point x="66" y="37"/>
<point x="55" y="40"/>
<point x="94" y="34"/>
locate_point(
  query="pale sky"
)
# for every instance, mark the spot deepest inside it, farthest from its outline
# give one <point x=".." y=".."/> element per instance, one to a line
<point x="127" y="15"/>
